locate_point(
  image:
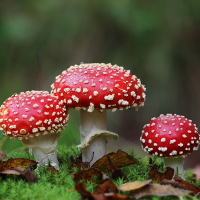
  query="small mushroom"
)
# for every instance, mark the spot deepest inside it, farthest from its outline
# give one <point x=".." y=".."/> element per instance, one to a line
<point x="36" y="118"/>
<point x="93" y="88"/>
<point x="172" y="137"/>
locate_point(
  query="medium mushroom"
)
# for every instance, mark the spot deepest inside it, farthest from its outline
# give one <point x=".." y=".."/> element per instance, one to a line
<point x="93" y="88"/>
<point x="36" y="118"/>
<point x="172" y="137"/>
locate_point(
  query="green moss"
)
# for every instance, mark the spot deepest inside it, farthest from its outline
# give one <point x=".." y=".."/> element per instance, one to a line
<point x="61" y="185"/>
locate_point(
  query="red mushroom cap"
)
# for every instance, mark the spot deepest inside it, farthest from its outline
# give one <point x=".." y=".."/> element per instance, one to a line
<point x="170" y="136"/>
<point x="99" y="86"/>
<point x="32" y="113"/>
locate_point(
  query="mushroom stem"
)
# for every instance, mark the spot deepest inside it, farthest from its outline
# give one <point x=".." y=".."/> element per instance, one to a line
<point x="177" y="164"/>
<point x="44" y="158"/>
<point x="43" y="148"/>
<point x="94" y="135"/>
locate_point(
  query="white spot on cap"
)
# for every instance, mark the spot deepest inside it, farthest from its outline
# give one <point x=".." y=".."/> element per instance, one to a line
<point x="163" y="140"/>
<point x="172" y="141"/>
<point x="184" y="136"/>
<point x="23" y="131"/>
<point x="75" y="98"/>
<point x="109" y="97"/>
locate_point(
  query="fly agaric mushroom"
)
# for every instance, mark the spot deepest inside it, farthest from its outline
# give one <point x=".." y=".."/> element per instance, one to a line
<point x="172" y="137"/>
<point x="93" y="88"/>
<point x="36" y="118"/>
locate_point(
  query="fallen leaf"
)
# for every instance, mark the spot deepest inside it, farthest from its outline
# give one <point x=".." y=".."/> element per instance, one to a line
<point x="120" y="159"/>
<point x="133" y="185"/>
<point x="189" y="186"/>
<point x="88" y="175"/>
<point x="173" y="183"/>
<point x="29" y="176"/>
<point x="79" y="164"/>
<point x="159" y="190"/>
<point x="80" y="187"/>
<point x="17" y="162"/>
<point x="196" y="172"/>
<point x="2" y="155"/>
<point x="115" y="172"/>
<point x="106" y="187"/>
<point x="52" y="170"/>
<point x="25" y="174"/>
<point x="157" y="176"/>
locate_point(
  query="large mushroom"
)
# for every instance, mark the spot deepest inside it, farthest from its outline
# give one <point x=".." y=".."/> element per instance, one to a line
<point x="36" y="118"/>
<point x="93" y="88"/>
<point x="172" y="137"/>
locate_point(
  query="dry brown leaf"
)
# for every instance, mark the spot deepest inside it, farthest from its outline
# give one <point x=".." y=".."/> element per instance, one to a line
<point x="17" y="162"/>
<point x="159" y="190"/>
<point x="120" y="159"/>
<point x="106" y="187"/>
<point x="173" y="183"/>
<point x="189" y="186"/>
<point x="157" y="176"/>
<point x="79" y="164"/>
<point x="2" y="155"/>
<point x="80" y="187"/>
<point x="115" y="172"/>
<point x="88" y="175"/>
<point x="25" y="174"/>
<point x="133" y="185"/>
<point x="196" y="172"/>
<point x="52" y="170"/>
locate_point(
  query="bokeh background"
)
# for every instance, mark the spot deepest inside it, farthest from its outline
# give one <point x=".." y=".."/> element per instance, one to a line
<point x="159" y="41"/>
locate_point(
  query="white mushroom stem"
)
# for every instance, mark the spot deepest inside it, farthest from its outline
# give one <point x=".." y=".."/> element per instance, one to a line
<point x="43" y="148"/>
<point x="177" y="164"/>
<point x="94" y="135"/>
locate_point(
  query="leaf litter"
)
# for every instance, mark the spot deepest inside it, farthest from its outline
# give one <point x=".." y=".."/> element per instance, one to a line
<point x="167" y="184"/>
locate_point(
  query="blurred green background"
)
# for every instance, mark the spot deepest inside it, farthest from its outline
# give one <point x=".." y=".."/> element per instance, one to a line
<point x="159" y="41"/>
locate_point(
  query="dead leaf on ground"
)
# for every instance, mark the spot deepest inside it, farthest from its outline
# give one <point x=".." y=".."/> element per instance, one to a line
<point x="159" y="190"/>
<point x="173" y="183"/>
<point x="189" y="186"/>
<point x="115" y="172"/>
<point x="2" y="155"/>
<point x="25" y="174"/>
<point x="120" y="159"/>
<point x="17" y="162"/>
<point x="79" y="164"/>
<point x="133" y="185"/>
<point x="80" y="187"/>
<point x="157" y="176"/>
<point x="52" y="170"/>
<point x="196" y="172"/>
<point x="88" y="175"/>
<point x="106" y="187"/>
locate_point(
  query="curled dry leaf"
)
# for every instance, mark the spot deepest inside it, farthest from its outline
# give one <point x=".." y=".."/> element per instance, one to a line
<point x="25" y="174"/>
<point x="2" y="155"/>
<point x="173" y="183"/>
<point x="133" y="185"/>
<point x="115" y="172"/>
<point x="52" y="170"/>
<point x="159" y="190"/>
<point x="106" y="187"/>
<point x="196" y="172"/>
<point x="88" y="175"/>
<point x="157" y="176"/>
<point x="195" y="190"/>
<point x="80" y="187"/>
<point x="17" y="162"/>
<point x="120" y="159"/>
<point x="79" y="164"/>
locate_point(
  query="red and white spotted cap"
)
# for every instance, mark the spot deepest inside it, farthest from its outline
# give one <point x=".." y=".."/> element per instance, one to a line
<point x="99" y="86"/>
<point x="32" y="113"/>
<point x="170" y="136"/>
